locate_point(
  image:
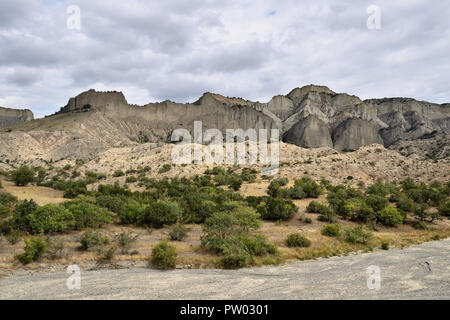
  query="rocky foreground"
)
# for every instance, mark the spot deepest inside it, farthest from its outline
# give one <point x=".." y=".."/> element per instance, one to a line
<point x="417" y="272"/>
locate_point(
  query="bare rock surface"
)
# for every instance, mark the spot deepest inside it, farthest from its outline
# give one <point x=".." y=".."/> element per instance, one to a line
<point x="311" y="116"/>
<point x="9" y="117"/>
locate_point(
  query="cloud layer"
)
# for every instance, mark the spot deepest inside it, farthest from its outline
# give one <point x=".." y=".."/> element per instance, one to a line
<point x="157" y="50"/>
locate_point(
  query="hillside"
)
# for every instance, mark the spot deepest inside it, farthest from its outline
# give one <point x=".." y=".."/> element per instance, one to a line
<point x="311" y="116"/>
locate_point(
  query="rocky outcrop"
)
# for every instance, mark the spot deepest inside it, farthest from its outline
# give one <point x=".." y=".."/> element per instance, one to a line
<point x="311" y="116"/>
<point x="354" y="133"/>
<point x="10" y="117"/>
<point x="311" y="132"/>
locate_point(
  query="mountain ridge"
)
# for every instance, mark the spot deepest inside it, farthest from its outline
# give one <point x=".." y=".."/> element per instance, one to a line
<point x="310" y="116"/>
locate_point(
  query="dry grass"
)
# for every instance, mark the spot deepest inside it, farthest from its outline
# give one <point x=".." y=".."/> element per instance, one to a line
<point x="42" y="195"/>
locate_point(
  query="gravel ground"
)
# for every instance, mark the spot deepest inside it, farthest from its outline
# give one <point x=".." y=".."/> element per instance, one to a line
<point x="418" y="272"/>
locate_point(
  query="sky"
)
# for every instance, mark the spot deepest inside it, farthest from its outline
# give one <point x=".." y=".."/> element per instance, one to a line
<point x="177" y="50"/>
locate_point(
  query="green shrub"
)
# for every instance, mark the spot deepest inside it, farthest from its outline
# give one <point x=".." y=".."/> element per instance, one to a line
<point x="56" y="249"/>
<point x="235" y="256"/>
<point x="131" y="179"/>
<point x="376" y="202"/>
<point x="406" y="204"/>
<point x="331" y="230"/>
<point x="307" y="220"/>
<point x="159" y="213"/>
<point x="297" y="240"/>
<point x="118" y="173"/>
<point x="358" y="234"/>
<point x="235" y="182"/>
<point x="7" y="199"/>
<point x="390" y="216"/>
<point x="87" y="214"/>
<point x="35" y="247"/>
<point x="222" y="226"/>
<point x="51" y="218"/>
<point x="22" y="176"/>
<point x="276" y="209"/>
<point x="165" y="168"/>
<point x="257" y="245"/>
<point x="311" y="188"/>
<point x="296" y="192"/>
<point x="327" y="216"/>
<point x="178" y="232"/>
<point x="13" y="236"/>
<point x="417" y="224"/>
<point x="22" y="214"/>
<point x="444" y="209"/>
<point x="164" y="256"/>
<point x="105" y="255"/>
<point x="316" y="207"/>
<point x="248" y="175"/>
<point x="91" y="239"/>
<point x="385" y="245"/>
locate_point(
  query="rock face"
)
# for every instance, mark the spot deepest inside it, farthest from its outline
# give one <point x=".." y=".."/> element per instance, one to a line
<point x="311" y="116"/>
<point x="311" y="132"/>
<point x="9" y="117"/>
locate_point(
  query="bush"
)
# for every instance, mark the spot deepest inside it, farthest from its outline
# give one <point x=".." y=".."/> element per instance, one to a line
<point x="311" y="188"/>
<point x="385" y="245"/>
<point x="118" y="173"/>
<point x="327" y="216"/>
<point x="51" y="218"/>
<point x="22" y="176"/>
<point x="297" y="240"/>
<point x="105" y="255"/>
<point x="248" y="175"/>
<point x="331" y="230"/>
<point x="307" y="220"/>
<point x="160" y="213"/>
<point x="444" y="209"/>
<point x="230" y="226"/>
<point x="419" y="225"/>
<point x="235" y="182"/>
<point x="131" y="179"/>
<point x="164" y="256"/>
<point x="7" y="198"/>
<point x="358" y="235"/>
<point x="276" y="209"/>
<point x="178" y="232"/>
<point x="377" y="202"/>
<point x="125" y="240"/>
<point x="316" y="207"/>
<point x="13" y="236"/>
<point x="235" y="256"/>
<point x="87" y="214"/>
<point x="35" y="247"/>
<point x="257" y="245"/>
<point x="22" y="214"/>
<point x="91" y="239"/>
<point x="296" y="192"/>
<point x="390" y="216"/>
<point x="165" y="168"/>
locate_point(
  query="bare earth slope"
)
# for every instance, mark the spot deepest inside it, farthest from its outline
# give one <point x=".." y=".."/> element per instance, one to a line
<point x="418" y="272"/>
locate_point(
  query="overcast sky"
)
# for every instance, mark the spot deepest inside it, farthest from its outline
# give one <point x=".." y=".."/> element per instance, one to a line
<point x="156" y="50"/>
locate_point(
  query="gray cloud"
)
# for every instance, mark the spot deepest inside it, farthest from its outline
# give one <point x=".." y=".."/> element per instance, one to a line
<point x="157" y="50"/>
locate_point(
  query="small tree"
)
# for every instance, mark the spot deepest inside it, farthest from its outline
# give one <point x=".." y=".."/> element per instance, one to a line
<point x="22" y="176"/>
